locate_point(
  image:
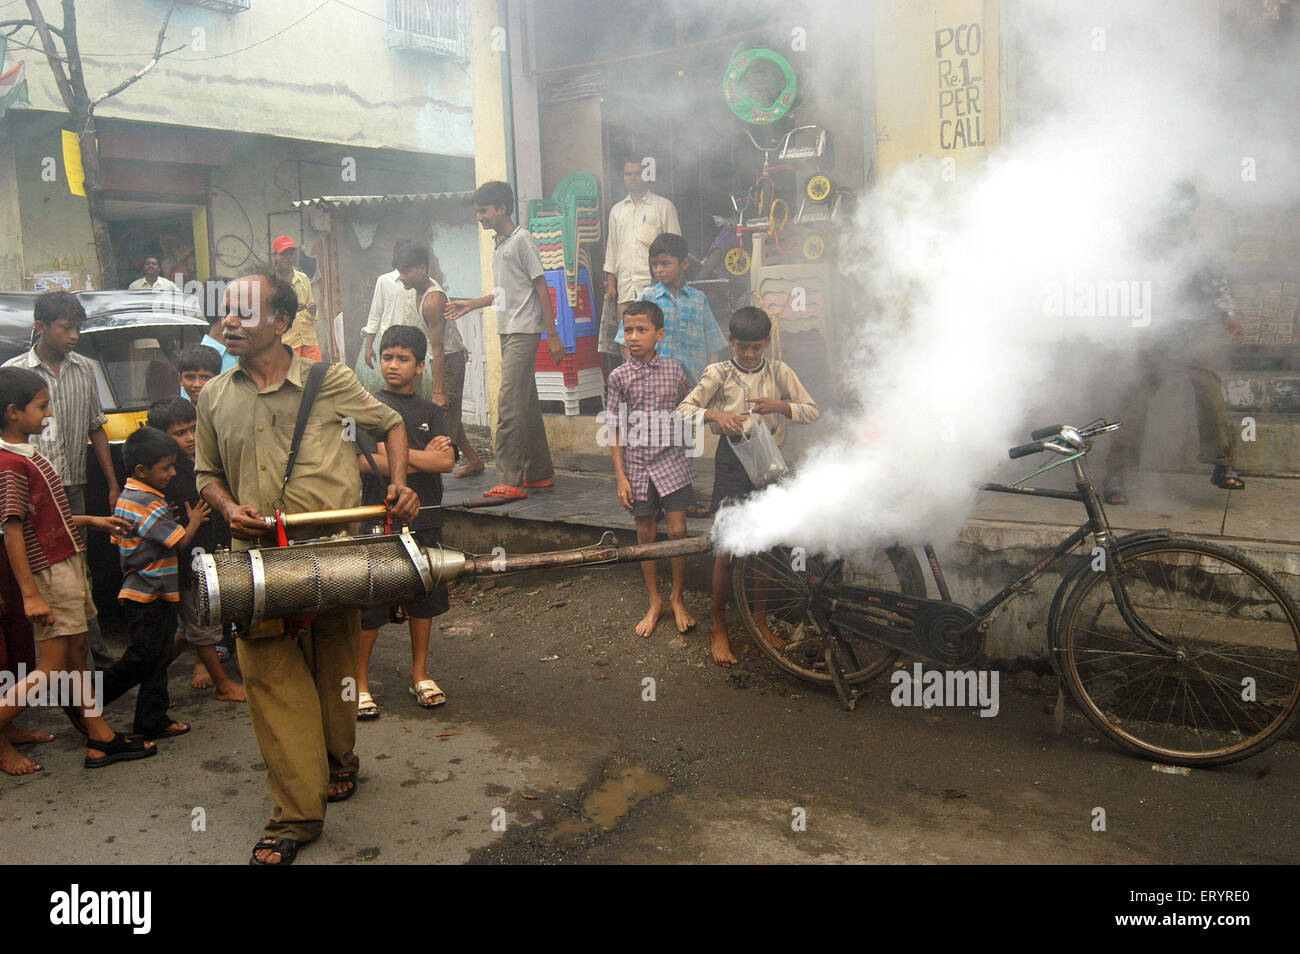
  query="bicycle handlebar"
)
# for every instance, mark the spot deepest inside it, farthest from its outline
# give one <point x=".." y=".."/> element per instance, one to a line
<point x="1043" y="436"/>
<point x="1024" y="450"/>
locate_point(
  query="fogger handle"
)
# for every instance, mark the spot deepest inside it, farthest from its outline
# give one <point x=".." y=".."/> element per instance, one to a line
<point x="324" y="518"/>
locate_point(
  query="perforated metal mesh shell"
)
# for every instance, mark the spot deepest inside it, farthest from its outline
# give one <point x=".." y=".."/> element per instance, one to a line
<point x="313" y="579"/>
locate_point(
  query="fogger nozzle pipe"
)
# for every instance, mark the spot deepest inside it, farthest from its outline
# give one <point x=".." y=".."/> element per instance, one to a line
<point x="660" y="550"/>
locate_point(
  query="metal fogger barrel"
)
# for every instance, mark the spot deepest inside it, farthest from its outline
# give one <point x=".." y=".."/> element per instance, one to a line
<point x="245" y="587"/>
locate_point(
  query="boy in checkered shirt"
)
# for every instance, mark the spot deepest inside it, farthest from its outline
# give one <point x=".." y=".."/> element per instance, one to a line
<point x="648" y="447"/>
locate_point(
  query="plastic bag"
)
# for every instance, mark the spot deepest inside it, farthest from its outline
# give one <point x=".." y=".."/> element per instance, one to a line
<point x="759" y="455"/>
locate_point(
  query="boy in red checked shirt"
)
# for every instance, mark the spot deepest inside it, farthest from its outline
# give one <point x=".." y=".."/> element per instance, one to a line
<point x="651" y="471"/>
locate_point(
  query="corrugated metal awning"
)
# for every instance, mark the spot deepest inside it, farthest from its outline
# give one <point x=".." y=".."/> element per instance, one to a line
<point x="357" y="201"/>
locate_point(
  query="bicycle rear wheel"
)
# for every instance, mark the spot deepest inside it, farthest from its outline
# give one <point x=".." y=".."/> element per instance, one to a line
<point x="775" y="594"/>
<point x="1231" y="684"/>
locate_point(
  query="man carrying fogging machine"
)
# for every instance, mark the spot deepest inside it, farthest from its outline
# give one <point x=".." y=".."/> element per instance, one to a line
<point x="259" y="452"/>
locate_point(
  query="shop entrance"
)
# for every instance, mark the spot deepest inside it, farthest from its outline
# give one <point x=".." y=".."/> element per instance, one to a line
<point x="175" y="233"/>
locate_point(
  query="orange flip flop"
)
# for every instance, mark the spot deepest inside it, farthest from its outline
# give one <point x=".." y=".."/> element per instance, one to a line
<point x="506" y="492"/>
<point x="537" y="484"/>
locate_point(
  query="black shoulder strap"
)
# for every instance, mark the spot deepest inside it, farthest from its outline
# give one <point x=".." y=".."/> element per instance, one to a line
<point x="314" y="378"/>
<point x="370" y="459"/>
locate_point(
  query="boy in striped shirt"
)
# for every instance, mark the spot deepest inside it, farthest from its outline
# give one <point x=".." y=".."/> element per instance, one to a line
<point x="150" y="591"/>
<point x="45" y="557"/>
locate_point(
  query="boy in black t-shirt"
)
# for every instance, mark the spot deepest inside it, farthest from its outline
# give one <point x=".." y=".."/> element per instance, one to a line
<point x="401" y="362"/>
<point x="176" y="418"/>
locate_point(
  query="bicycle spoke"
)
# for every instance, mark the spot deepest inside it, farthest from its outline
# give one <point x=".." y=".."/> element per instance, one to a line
<point x="1228" y="624"/>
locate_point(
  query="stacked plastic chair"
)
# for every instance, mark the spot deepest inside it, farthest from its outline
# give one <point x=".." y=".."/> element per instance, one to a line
<point x="564" y="224"/>
<point x="579" y="375"/>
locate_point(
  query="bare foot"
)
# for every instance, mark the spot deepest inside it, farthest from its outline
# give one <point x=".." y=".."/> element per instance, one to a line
<point x="721" y="647"/>
<point x="773" y="640"/>
<point x="469" y="470"/>
<point x="173" y="729"/>
<point x="231" y="692"/>
<point x="23" y="737"/>
<point x="15" y="763"/>
<point x="341" y="786"/>
<point x="682" y="615"/>
<point x="201" y="679"/>
<point x="651" y="619"/>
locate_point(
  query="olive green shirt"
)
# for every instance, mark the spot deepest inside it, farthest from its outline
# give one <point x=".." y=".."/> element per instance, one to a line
<point x="244" y="436"/>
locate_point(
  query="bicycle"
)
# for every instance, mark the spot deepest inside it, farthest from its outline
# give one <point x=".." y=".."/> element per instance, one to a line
<point x="1179" y="650"/>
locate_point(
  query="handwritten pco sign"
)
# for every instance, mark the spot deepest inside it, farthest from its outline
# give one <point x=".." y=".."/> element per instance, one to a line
<point x="961" y="106"/>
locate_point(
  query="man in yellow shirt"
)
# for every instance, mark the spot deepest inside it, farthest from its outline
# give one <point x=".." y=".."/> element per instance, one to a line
<point x="301" y="337"/>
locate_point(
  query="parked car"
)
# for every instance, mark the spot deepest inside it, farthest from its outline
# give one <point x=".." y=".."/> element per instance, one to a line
<point x="133" y="339"/>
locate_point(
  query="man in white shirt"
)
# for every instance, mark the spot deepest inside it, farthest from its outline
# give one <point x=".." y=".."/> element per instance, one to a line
<point x="152" y="280"/>
<point x="634" y="223"/>
<point x="392" y="304"/>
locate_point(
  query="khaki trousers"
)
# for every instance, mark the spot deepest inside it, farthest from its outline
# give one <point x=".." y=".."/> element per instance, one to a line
<point x="1213" y="429"/>
<point x="302" y="700"/>
<point x="521" y="449"/>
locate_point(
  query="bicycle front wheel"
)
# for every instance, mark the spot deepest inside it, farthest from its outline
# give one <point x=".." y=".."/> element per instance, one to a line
<point x="776" y="590"/>
<point x="1230" y="683"/>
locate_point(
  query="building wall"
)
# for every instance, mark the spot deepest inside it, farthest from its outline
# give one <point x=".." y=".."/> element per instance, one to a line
<point x="329" y="77"/>
<point x="11" y="253"/>
<point x="266" y="176"/>
<point x="936" y="79"/>
<point x="490" y="157"/>
<point x="55" y="227"/>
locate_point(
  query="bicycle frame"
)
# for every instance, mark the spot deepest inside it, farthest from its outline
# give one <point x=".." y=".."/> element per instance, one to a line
<point x="1095" y="526"/>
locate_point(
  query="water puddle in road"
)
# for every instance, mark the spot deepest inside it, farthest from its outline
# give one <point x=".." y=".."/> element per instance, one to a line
<point x="609" y="801"/>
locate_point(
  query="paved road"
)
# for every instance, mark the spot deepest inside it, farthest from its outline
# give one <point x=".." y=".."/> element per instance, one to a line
<point x="547" y="733"/>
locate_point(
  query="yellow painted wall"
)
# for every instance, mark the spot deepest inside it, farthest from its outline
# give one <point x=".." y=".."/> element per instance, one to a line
<point x="490" y="161"/>
<point x="936" y="73"/>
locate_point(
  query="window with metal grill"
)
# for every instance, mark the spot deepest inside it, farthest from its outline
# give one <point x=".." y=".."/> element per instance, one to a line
<point x="434" y="26"/>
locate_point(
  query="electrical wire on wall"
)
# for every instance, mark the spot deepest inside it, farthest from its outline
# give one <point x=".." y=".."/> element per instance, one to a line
<point x="229" y="260"/>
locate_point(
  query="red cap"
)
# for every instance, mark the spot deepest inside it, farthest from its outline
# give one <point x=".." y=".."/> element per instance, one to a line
<point x="283" y="242"/>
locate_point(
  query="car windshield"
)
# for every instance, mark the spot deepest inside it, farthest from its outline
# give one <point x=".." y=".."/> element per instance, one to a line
<point x="137" y="366"/>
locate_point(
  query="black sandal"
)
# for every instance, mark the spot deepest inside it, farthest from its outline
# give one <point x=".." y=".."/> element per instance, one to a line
<point x="700" y="510"/>
<point x="346" y="778"/>
<point x="286" y="848"/>
<point x="1227" y="478"/>
<point x="119" y="748"/>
